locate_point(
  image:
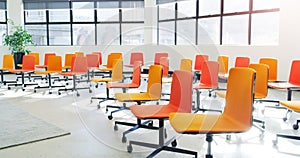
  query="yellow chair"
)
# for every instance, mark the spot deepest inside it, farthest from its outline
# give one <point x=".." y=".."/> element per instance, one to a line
<point x="186" y="64"/>
<point x="223" y="66"/>
<point x="36" y="57"/>
<point x="237" y="115"/>
<point x="68" y="61"/>
<point x="81" y="54"/>
<point x="110" y="58"/>
<point x="116" y="76"/>
<point x="153" y="93"/>
<point x="7" y="63"/>
<point x="272" y="63"/>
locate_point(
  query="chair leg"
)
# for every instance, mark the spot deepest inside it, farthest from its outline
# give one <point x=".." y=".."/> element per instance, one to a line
<point x="209" y="139"/>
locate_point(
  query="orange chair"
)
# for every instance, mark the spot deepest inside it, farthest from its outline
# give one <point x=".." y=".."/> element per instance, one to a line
<point x="79" y="67"/>
<point x="136" y="56"/>
<point x="242" y="62"/>
<point x="36" y="57"/>
<point x="208" y="81"/>
<point x="28" y="66"/>
<point x="153" y="93"/>
<point x="7" y="64"/>
<point x="110" y="58"/>
<point x="291" y="106"/>
<point x="45" y="60"/>
<point x="272" y="63"/>
<point x="293" y="82"/>
<point x="180" y="101"/>
<point x="158" y="55"/>
<point x="81" y="54"/>
<point x="135" y="83"/>
<point x="116" y="76"/>
<point x="199" y="59"/>
<point x="237" y="115"/>
<point x="54" y="66"/>
<point x="68" y="61"/>
<point x="186" y="64"/>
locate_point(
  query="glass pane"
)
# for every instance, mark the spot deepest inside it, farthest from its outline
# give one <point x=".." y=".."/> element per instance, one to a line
<point x="235" y="29"/>
<point x="264" y="30"/>
<point x="132" y="4"/>
<point x="59" y="15"/>
<point x="108" y="14"/>
<point x="167" y="11"/>
<point x="209" y="7"/>
<point x="236" y="6"/>
<point x="110" y="4"/>
<point x="59" y="35"/>
<point x="83" y="34"/>
<point x="108" y="34"/>
<point x="83" y="5"/>
<point x="132" y="34"/>
<point x="187" y="8"/>
<point x="39" y="33"/>
<point x="265" y="4"/>
<point x="2" y="16"/>
<point x="166" y="33"/>
<point x="209" y="31"/>
<point x="136" y="14"/>
<point x="35" y="15"/>
<point x="186" y="32"/>
<point x="2" y="31"/>
<point x="83" y="15"/>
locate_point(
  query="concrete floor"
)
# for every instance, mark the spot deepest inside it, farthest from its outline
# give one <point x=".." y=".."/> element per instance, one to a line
<point x="92" y="134"/>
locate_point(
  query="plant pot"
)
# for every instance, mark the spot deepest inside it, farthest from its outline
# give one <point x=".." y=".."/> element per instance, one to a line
<point x="18" y="57"/>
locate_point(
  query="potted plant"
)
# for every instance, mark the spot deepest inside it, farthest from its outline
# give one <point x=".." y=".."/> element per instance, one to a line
<point x="17" y="40"/>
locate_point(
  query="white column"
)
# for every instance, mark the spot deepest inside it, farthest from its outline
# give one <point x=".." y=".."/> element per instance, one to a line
<point x="150" y="22"/>
<point x="15" y="11"/>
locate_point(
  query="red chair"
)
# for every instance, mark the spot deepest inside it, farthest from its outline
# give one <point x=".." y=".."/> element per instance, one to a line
<point x="99" y="57"/>
<point x="157" y="57"/>
<point x="242" y="62"/>
<point x="180" y="101"/>
<point x="136" y="56"/>
<point x="199" y="60"/>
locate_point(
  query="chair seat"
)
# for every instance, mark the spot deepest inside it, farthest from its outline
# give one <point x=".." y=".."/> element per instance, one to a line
<point x="205" y="123"/>
<point x="283" y="85"/>
<point x="104" y="69"/>
<point x="19" y="70"/>
<point x="71" y="73"/>
<point x="130" y="97"/>
<point x="166" y="80"/>
<point x="152" y="111"/>
<point x="102" y="79"/>
<point x="293" y="105"/>
<point x="46" y="72"/>
<point x="205" y="86"/>
<point x="221" y="94"/>
<point x="122" y="85"/>
<point x="3" y="69"/>
<point x="41" y="66"/>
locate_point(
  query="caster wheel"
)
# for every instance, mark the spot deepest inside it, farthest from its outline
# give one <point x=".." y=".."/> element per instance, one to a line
<point x="8" y="88"/>
<point x="228" y="137"/>
<point x="274" y="142"/>
<point x="209" y="94"/>
<point x="50" y="92"/>
<point x="174" y="143"/>
<point x="77" y="94"/>
<point x="91" y="101"/>
<point x="98" y="106"/>
<point x="110" y="117"/>
<point x="106" y="110"/>
<point x="129" y="148"/>
<point x="67" y="83"/>
<point x="90" y="91"/>
<point x="208" y="156"/>
<point x="295" y="126"/>
<point x="116" y="128"/>
<point x="96" y="86"/>
<point x="23" y="89"/>
<point x="284" y="119"/>
<point x="124" y="139"/>
<point x="34" y="91"/>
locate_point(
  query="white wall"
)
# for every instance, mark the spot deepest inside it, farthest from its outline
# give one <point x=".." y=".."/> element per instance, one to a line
<point x="287" y="50"/>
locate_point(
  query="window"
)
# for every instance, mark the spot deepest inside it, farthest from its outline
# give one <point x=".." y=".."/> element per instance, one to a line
<point x="3" y="20"/>
<point x="224" y="22"/>
<point x="89" y="22"/>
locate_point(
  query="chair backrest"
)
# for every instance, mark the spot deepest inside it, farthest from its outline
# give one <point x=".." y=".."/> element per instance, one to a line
<point x="199" y="59"/>
<point x="137" y="56"/>
<point x="36" y="57"/>
<point x="79" y="54"/>
<point x="117" y="70"/>
<point x="99" y="56"/>
<point x="242" y="62"/>
<point x="186" y="64"/>
<point x="92" y="60"/>
<point x="164" y="62"/>
<point x="28" y="63"/>
<point x="181" y="91"/>
<point x="272" y="63"/>
<point x="46" y="56"/>
<point x="136" y="75"/>
<point x="295" y="73"/>
<point x="54" y="63"/>
<point x="79" y="65"/>
<point x="8" y="61"/>
<point x="68" y="59"/>
<point x="158" y="55"/>
<point x="239" y="96"/>
<point x="223" y="64"/>
<point x="155" y="81"/>
<point x="111" y="57"/>
<point x="261" y="80"/>
<point x="209" y="74"/>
